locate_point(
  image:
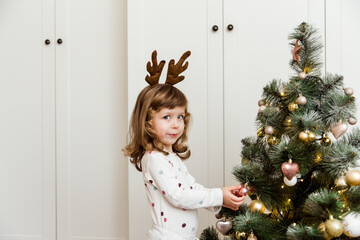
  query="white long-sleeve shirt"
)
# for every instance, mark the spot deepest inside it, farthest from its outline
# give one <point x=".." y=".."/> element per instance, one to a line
<point x="174" y="196"/>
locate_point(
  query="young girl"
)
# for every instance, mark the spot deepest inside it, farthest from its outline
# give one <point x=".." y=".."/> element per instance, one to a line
<point x="157" y="145"/>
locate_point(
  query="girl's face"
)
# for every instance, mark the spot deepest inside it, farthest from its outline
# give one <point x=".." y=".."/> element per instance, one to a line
<point x="168" y="125"/>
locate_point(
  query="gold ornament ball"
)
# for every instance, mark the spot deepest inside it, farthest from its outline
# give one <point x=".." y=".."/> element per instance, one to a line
<point x="321" y="227"/>
<point x="293" y="107"/>
<point x="353" y="178"/>
<point x="261" y="133"/>
<point x="272" y="140"/>
<point x="340" y="183"/>
<point x="303" y="136"/>
<point x="326" y="141"/>
<point x="311" y="136"/>
<point x="252" y="237"/>
<point x="334" y="227"/>
<point x="239" y="235"/>
<point x="257" y="206"/>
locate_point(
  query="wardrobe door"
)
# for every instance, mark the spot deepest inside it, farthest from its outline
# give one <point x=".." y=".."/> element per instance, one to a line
<point x="171" y="28"/>
<point x="91" y="120"/>
<point x="27" y="122"/>
<point x="256" y="51"/>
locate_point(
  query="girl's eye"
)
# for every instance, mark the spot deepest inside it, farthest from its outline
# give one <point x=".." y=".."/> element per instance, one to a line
<point x="167" y="117"/>
<point x="181" y="117"/>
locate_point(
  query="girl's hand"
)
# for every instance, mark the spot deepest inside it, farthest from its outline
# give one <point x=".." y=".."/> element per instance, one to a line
<point x="230" y="200"/>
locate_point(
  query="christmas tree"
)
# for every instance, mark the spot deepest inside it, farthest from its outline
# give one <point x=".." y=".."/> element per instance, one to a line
<point x="300" y="169"/>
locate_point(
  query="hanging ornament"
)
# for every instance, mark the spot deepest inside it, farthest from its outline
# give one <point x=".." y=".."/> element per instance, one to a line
<point x="269" y="130"/>
<point x="293" y="107"/>
<point x="261" y="102"/>
<point x="304" y="136"/>
<point x="239" y="235"/>
<point x="252" y="236"/>
<point x="302" y="75"/>
<point x="272" y="140"/>
<point x="352" y="178"/>
<point x="262" y="108"/>
<point x="301" y="100"/>
<point x="257" y="206"/>
<point x="296" y="51"/>
<point x="282" y="93"/>
<point x="325" y="140"/>
<point x="291" y="182"/>
<point x="321" y="227"/>
<point x="243" y="191"/>
<point x="349" y="91"/>
<point x="261" y="133"/>
<point x="352" y="121"/>
<point x="223" y="226"/>
<point x="340" y="183"/>
<point x="289" y="169"/>
<point x="351" y="224"/>
<point x="334" y="227"/>
<point x="339" y="129"/>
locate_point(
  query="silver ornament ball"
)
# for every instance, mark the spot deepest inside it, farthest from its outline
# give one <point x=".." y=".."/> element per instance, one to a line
<point x="352" y="121"/>
<point x="269" y="130"/>
<point x="302" y="75"/>
<point x="349" y="91"/>
<point x="301" y="100"/>
<point x="261" y="102"/>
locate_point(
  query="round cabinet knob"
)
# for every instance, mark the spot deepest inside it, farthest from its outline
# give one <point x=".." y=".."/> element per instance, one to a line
<point x="59" y="41"/>
<point x="47" y="41"/>
<point x="230" y="27"/>
<point x="215" y="28"/>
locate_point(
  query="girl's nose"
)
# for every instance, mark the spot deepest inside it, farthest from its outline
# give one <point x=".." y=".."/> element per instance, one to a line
<point x="175" y="124"/>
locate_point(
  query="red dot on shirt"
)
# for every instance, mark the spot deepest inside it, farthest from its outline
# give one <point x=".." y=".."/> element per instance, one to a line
<point x="191" y="187"/>
<point x="179" y="184"/>
<point x="162" y="213"/>
<point x="150" y="152"/>
<point x="184" y="225"/>
<point x="150" y="181"/>
<point x="163" y="192"/>
<point x="153" y="204"/>
<point x="165" y="219"/>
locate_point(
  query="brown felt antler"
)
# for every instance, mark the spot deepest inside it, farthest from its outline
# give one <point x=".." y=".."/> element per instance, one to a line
<point x="174" y="70"/>
<point x="154" y="70"/>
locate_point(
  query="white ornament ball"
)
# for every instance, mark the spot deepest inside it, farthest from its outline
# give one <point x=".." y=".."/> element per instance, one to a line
<point x="349" y="91"/>
<point x="262" y="108"/>
<point x="261" y="102"/>
<point x="301" y="100"/>
<point x="351" y="223"/>
<point x="302" y="75"/>
<point x="291" y="182"/>
<point x="269" y="130"/>
<point x="352" y="121"/>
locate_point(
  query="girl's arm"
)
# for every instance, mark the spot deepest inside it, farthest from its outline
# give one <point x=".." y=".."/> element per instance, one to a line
<point x="179" y="194"/>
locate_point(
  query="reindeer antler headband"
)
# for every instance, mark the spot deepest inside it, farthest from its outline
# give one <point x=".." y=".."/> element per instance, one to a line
<point x="173" y="73"/>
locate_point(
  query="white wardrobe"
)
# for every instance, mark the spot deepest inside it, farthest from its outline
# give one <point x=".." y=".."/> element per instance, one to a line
<point x="70" y="72"/>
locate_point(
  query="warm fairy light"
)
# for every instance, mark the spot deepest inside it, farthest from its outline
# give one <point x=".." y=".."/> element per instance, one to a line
<point x="282" y="93"/>
<point x="301" y="180"/>
<point x="282" y="186"/>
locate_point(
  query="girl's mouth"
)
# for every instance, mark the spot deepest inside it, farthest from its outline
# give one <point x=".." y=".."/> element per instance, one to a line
<point x="173" y="135"/>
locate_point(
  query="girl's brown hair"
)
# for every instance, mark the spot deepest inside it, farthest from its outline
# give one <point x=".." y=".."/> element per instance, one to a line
<point x="141" y="137"/>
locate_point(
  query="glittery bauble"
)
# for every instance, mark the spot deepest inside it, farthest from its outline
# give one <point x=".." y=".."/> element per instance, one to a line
<point x="289" y="169"/>
<point x="334" y="227"/>
<point x="353" y="177"/>
<point x="261" y="133"/>
<point x="261" y="102"/>
<point x="311" y="136"/>
<point x="349" y="91"/>
<point x="302" y="75"/>
<point x="326" y="141"/>
<point x="351" y="224"/>
<point x="352" y="121"/>
<point x="340" y="183"/>
<point x="269" y="130"/>
<point x="291" y="182"/>
<point x="252" y="237"/>
<point x="239" y="235"/>
<point x="257" y="206"/>
<point x="224" y="226"/>
<point x="272" y="140"/>
<point x="293" y="107"/>
<point x="339" y="129"/>
<point x="301" y="100"/>
<point x="321" y="227"/>
<point x="303" y="136"/>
